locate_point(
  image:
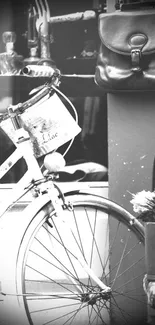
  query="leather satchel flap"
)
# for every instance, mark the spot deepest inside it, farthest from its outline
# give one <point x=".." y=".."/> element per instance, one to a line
<point x="123" y="31"/>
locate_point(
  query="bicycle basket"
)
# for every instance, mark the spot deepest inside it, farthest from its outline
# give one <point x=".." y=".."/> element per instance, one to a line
<point x="49" y="124"/>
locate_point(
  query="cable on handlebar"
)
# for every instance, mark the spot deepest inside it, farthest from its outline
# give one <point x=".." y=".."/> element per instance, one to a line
<point x="46" y="89"/>
<point x="75" y="112"/>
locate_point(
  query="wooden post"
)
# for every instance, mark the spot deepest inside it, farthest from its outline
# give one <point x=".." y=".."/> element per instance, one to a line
<point x="150" y="269"/>
<point x="150" y="250"/>
<point x="131" y="147"/>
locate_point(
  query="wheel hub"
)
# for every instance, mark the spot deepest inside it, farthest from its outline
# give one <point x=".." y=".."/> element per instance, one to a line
<point x="92" y="298"/>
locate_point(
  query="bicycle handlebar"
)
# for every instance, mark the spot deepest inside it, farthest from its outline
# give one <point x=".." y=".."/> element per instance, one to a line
<point x="21" y="107"/>
<point x="86" y="15"/>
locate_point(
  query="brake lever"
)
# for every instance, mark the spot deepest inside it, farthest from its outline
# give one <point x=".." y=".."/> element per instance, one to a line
<point x="35" y="90"/>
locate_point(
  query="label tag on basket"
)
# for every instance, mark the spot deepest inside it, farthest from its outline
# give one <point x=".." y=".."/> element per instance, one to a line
<point x="49" y="124"/>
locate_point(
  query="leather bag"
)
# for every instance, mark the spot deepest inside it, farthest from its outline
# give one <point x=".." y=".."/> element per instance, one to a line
<point x="126" y="58"/>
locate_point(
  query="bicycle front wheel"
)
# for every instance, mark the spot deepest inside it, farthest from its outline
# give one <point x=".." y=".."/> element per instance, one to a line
<point x="56" y="288"/>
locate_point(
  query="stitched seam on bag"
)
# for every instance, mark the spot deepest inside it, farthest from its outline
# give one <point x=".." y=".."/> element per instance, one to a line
<point x="145" y="52"/>
<point x="119" y="13"/>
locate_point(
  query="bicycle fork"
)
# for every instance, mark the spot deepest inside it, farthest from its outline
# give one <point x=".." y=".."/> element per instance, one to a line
<point x="57" y="205"/>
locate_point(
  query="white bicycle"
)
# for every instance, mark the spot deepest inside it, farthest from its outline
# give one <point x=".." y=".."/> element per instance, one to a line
<point x="66" y="258"/>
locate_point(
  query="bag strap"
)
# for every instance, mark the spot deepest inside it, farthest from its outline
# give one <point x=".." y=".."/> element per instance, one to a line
<point x="138" y="5"/>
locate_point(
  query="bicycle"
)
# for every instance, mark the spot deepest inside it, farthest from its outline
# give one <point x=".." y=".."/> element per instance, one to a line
<point x="77" y="258"/>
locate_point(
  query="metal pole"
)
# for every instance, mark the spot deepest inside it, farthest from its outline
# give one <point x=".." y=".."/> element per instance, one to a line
<point x="111" y="5"/>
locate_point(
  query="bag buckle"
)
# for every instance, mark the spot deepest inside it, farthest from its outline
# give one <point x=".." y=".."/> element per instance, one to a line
<point x="135" y="58"/>
<point x="137" y="42"/>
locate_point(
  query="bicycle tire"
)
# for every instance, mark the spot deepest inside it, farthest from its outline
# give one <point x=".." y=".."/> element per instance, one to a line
<point x="43" y="271"/>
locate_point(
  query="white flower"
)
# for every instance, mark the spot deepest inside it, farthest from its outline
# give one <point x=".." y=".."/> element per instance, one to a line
<point x="143" y="201"/>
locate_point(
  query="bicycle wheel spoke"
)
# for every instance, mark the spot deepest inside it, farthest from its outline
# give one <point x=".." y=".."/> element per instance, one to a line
<point x="125" y="256"/>
<point x="68" y="252"/>
<point x="98" y="314"/>
<point x="128" y="297"/>
<point x="80" y="245"/>
<point x="73" y="279"/>
<point x="89" y="314"/>
<point x="44" y="296"/>
<point x="126" y="270"/>
<point x="58" y="307"/>
<point x="95" y="318"/>
<point x="62" y="316"/>
<point x="53" y="281"/>
<point x="105" y="273"/>
<point x="134" y="289"/>
<point x="68" y="274"/>
<point x="66" y="249"/>
<point x="106" y="307"/>
<point x="129" y="281"/>
<point x="71" y="319"/>
<point x="91" y="318"/>
<point x="120" y="261"/>
<point x="112" y="244"/>
<point x="93" y="243"/>
<point x="121" y="311"/>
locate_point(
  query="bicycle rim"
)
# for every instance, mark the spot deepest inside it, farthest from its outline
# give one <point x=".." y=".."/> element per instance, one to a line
<point x="57" y="290"/>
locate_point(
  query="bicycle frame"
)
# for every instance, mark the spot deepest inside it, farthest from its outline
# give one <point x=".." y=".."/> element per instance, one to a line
<point x="33" y="172"/>
<point x="24" y="149"/>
